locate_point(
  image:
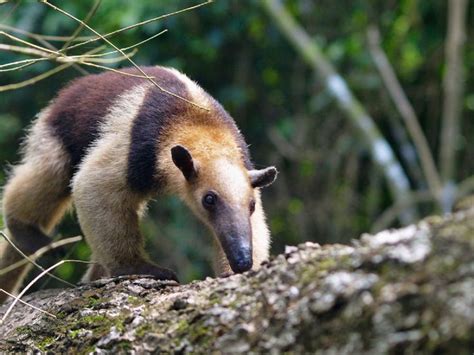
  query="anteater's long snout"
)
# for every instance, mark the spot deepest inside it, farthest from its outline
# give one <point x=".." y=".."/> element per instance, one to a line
<point x="238" y="249"/>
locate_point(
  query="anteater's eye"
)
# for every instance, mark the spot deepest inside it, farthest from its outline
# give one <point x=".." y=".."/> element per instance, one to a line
<point x="252" y="207"/>
<point x="209" y="200"/>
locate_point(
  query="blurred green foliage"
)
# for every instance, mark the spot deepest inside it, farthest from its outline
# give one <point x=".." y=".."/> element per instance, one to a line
<point x="328" y="189"/>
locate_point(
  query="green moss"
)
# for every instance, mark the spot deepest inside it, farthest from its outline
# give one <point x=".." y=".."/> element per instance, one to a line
<point x="142" y="330"/>
<point x="124" y="345"/>
<point x="73" y="334"/>
<point x="94" y="320"/>
<point x="196" y="332"/>
<point x="182" y="325"/>
<point x="119" y="324"/>
<point x="44" y="343"/>
<point x="135" y="301"/>
<point x="25" y="330"/>
<point x="61" y="315"/>
<point x="93" y="302"/>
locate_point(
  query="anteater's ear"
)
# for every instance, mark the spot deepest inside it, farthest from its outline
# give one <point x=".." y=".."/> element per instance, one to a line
<point x="263" y="177"/>
<point x="184" y="161"/>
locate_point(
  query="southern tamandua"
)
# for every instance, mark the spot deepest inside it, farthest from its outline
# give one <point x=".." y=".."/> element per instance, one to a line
<point x="109" y="143"/>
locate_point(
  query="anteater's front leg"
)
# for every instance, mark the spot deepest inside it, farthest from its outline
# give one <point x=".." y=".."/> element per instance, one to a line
<point x="108" y="213"/>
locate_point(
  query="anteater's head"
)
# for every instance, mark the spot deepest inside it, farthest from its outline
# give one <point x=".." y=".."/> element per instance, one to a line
<point x="222" y="193"/>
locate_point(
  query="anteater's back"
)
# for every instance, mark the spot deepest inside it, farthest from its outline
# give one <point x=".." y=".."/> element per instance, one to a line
<point x="77" y="113"/>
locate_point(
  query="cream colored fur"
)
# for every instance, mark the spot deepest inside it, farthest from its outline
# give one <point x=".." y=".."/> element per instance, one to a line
<point x="36" y="194"/>
<point x="107" y="209"/>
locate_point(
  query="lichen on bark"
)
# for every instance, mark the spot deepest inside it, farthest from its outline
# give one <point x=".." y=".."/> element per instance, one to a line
<point x="408" y="290"/>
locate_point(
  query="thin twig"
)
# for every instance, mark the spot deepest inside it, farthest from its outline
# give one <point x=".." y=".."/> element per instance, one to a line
<point x="406" y="111"/>
<point x="19" y="62"/>
<point x="285" y="148"/>
<point x="94" y="39"/>
<point x="453" y="85"/>
<point x="35" y="79"/>
<point x="27" y="304"/>
<point x="19" y="67"/>
<point x="391" y="213"/>
<point x="92" y="59"/>
<point x="32" y="261"/>
<point x="48" y="45"/>
<point x="29" y="44"/>
<point x="126" y="48"/>
<point x="465" y="187"/>
<point x="38" y="37"/>
<point x="39" y="253"/>
<point x="23" y="50"/>
<point x="121" y="52"/>
<point x="115" y="70"/>
<point x="43" y="75"/>
<point x="27" y="287"/>
<point x="382" y="153"/>
<point x="79" y="28"/>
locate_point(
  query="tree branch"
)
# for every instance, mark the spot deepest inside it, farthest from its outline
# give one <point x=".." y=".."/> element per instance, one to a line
<point x="453" y="90"/>
<point x="406" y="111"/>
<point x="380" y="150"/>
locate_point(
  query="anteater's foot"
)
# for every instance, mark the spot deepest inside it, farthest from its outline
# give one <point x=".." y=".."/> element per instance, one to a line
<point x="145" y="268"/>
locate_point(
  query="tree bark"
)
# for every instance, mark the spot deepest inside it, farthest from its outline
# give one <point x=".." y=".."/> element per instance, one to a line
<point x="407" y="290"/>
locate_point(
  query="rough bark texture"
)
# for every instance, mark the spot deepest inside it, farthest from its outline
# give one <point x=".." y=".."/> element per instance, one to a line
<point x="407" y="290"/>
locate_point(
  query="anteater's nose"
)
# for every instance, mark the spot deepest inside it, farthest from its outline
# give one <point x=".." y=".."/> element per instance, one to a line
<point x="243" y="261"/>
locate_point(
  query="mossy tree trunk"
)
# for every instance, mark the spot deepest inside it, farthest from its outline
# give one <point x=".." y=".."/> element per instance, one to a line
<point x="408" y="290"/>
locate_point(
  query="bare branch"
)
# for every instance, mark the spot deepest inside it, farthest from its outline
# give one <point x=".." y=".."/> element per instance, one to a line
<point x="27" y="304"/>
<point x="16" y="39"/>
<point x="387" y="218"/>
<point x="123" y="49"/>
<point x="453" y="88"/>
<point x="23" y="50"/>
<point x="406" y="111"/>
<point x="31" y="260"/>
<point x="41" y="38"/>
<point x="35" y="79"/>
<point x="27" y="287"/>
<point x="121" y="52"/>
<point x="381" y="151"/>
<point x="79" y="28"/>
<point x="26" y="62"/>
<point x="39" y="253"/>
<point x="154" y="19"/>
<point x="465" y="187"/>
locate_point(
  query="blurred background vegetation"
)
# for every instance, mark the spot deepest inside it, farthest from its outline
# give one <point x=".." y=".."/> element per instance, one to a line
<point x="329" y="189"/>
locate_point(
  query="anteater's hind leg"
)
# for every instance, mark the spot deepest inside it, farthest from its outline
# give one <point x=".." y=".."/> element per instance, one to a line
<point x="34" y="200"/>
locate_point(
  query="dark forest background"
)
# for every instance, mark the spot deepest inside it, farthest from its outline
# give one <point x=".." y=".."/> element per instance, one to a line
<point x="329" y="189"/>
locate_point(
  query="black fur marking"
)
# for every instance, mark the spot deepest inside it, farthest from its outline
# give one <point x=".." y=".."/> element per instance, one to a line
<point x="79" y="109"/>
<point x="263" y="177"/>
<point x="28" y="238"/>
<point x="184" y="161"/>
<point x="157" y="111"/>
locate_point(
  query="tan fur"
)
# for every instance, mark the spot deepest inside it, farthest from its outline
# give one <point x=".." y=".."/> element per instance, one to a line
<point x="220" y="166"/>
